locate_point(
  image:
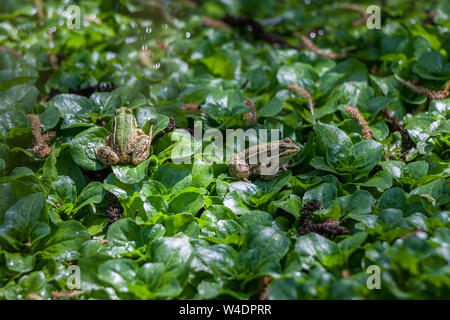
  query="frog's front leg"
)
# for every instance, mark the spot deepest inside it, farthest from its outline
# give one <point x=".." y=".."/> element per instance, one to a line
<point x="106" y="155"/>
<point x="141" y="149"/>
<point x="240" y="171"/>
<point x="239" y="168"/>
<point x="268" y="173"/>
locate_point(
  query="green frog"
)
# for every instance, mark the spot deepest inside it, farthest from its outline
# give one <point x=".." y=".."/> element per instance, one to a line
<point x="252" y="161"/>
<point x="127" y="143"/>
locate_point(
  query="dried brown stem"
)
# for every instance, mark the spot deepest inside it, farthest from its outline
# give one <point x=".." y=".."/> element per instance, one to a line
<point x="374" y="70"/>
<point x="40" y="11"/>
<point x="257" y="30"/>
<point x="346" y="274"/>
<point x="68" y="294"/>
<point x="192" y="107"/>
<point x="311" y="46"/>
<point x="144" y="58"/>
<point x="53" y="60"/>
<point x="213" y="23"/>
<point x="432" y="94"/>
<point x="295" y="88"/>
<point x="430" y="17"/>
<point x="357" y="8"/>
<point x="40" y="143"/>
<point x="251" y="116"/>
<point x="162" y="45"/>
<point x="354" y="112"/>
<point x="34" y="296"/>
<point x="92" y="18"/>
<point x="410" y="233"/>
<point x="244" y="84"/>
<point x="263" y="288"/>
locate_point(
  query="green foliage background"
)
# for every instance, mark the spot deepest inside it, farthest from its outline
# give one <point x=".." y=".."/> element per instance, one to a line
<point x="192" y="231"/>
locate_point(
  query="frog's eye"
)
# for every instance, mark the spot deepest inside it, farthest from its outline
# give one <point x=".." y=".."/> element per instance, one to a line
<point x="288" y="140"/>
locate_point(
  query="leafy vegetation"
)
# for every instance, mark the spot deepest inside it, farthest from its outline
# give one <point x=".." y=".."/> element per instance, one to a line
<point x="368" y="107"/>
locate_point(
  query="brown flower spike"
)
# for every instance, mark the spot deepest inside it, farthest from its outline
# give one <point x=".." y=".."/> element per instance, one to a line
<point x="354" y="112"/>
<point x="357" y="8"/>
<point x="251" y="117"/>
<point x="40" y="143"/>
<point x="295" y="88"/>
<point x="311" y="46"/>
<point x="431" y="94"/>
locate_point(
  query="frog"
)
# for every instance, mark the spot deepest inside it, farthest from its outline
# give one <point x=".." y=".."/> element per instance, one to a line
<point x="249" y="162"/>
<point x="127" y="143"/>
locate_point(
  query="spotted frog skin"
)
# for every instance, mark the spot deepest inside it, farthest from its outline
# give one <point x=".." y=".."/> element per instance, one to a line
<point x="127" y="143"/>
<point x="248" y="163"/>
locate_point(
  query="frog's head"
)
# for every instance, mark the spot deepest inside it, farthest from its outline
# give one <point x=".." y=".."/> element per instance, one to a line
<point x="287" y="148"/>
<point x="123" y="110"/>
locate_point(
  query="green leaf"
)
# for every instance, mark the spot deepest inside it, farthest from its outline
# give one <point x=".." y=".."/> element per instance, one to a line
<point x="316" y="246"/>
<point x="417" y="169"/>
<point x="354" y="241"/>
<point x="380" y="130"/>
<point x="18" y="262"/>
<point x="275" y="184"/>
<point x="432" y="61"/>
<point x="392" y="198"/>
<point x="220" y="259"/>
<point x="254" y="219"/>
<point x="175" y="253"/>
<point x="301" y="74"/>
<point x="92" y="193"/>
<point x="272" y="108"/>
<point x="258" y="80"/>
<point x="118" y="272"/>
<point x="63" y="190"/>
<point x="266" y="246"/>
<point x="283" y="289"/>
<point x="82" y="148"/>
<point x="393" y="168"/>
<point x="25" y="222"/>
<point x="65" y="243"/>
<point x="381" y="181"/>
<point x="359" y="202"/>
<point x="169" y="174"/>
<point x="436" y="189"/>
<point x="366" y="153"/>
<point x="219" y="64"/>
<point x="130" y="173"/>
<point x="123" y="234"/>
<point x="73" y="109"/>
<point x="328" y="135"/>
<point x="181" y="222"/>
<point x="50" y="117"/>
<point x="186" y="201"/>
<point x="202" y="175"/>
<point x="324" y="193"/>
<point x="291" y="205"/>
